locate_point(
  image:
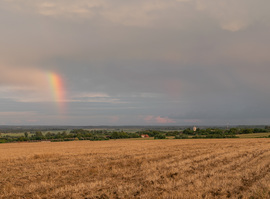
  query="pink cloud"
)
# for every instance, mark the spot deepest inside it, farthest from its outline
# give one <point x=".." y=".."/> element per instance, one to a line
<point x="148" y="118"/>
<point x="164" y="120"/>
<point x="158" y="119"/>
<point x="23" y="77"/>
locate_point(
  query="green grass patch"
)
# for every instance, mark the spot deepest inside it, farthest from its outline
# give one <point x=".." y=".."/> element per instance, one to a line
<point x="12" y="134"/>
<point x="253" y="135"/>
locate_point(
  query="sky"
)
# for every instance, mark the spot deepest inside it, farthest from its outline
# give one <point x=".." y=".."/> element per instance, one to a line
<point x="118" y="62"/>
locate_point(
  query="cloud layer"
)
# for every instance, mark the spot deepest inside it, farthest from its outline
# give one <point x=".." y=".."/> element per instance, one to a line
<point x="139" y="62"/>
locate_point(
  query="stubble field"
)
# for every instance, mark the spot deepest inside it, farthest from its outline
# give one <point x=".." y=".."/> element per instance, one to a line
<point x="226" y="168"/>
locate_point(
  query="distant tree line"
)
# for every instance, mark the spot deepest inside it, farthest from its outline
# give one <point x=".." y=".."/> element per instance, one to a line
<point x="82" y="134"/>
<point x="76" y="134"/>
<point x="218" y="133"/>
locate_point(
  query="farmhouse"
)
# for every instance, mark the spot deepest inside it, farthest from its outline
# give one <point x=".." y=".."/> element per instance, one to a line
<point x="145" y="136"/>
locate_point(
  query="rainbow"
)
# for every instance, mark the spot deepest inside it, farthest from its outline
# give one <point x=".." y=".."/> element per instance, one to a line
<point x="58" y="91"/>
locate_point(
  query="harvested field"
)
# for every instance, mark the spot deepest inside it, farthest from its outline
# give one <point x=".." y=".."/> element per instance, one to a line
<point x="225" y="168"/>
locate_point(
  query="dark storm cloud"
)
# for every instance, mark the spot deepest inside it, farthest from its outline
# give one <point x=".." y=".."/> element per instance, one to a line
<point x="136" y="62"/>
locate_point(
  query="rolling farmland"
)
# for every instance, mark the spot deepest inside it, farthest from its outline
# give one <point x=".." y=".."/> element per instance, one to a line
<point x="225" y="168"/>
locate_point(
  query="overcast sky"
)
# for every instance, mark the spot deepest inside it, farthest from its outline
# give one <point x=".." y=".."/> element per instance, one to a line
<point x="154" y="62"/>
